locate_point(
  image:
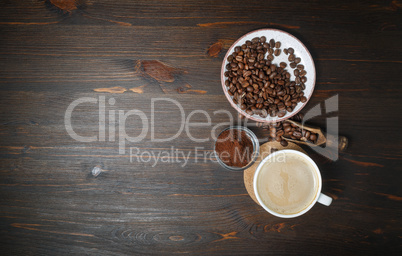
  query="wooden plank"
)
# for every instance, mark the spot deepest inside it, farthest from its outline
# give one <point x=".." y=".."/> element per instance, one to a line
<point x="53" y="53"/>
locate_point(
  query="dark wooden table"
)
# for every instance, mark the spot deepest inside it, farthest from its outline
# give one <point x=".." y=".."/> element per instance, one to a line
<point x="131" y="53"/>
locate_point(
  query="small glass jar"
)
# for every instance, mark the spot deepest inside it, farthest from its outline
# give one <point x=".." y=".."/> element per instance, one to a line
<point x="256" y="148"/>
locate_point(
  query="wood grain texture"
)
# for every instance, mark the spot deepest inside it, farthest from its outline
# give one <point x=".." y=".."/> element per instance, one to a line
<point x="131" y="52"/>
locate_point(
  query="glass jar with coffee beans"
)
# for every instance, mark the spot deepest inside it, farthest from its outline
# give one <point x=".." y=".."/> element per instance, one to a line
<point x="259" y="86"/>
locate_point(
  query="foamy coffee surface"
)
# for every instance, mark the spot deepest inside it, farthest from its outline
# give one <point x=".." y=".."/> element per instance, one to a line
<point x="287" y="186"/>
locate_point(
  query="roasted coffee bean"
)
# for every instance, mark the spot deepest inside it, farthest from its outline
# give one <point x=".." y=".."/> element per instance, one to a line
<point x="297" y="134"/>
<point x="283" y="65"/>
<point x="255" y="40"/>
<point x="263" y="39"/>
<point x="296" y="72"/>
<point x="303" y="99"/>
<point x="291" y="50"/>
<point x="292" y="65"/>
<point x="278" y="44"/>
<point x="281" y="113"/>
<point x="245" y="84"/>
<point x="285" y="51"/>
<point x="300" y="67"/>
<point x="272" y="43"/>
<point x="303" y="79"/>
<point x="277" y="52"/>
<point x="291" y="57"/>
<point x="313" y="137"/>
<point x="303" y="73"/>
<point x="264" y="113"/>
<point x="297" y="60"/>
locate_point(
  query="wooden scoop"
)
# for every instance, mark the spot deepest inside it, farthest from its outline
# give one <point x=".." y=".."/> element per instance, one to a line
<point x="330" y="140"/>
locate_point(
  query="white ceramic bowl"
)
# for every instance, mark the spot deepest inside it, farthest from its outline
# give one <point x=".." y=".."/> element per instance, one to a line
<point x="287" y="40"/>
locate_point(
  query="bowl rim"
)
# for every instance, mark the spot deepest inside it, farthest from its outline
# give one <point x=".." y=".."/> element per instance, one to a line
<point x="223" y="69"/>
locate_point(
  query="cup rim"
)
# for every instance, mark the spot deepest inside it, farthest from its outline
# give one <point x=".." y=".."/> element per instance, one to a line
<point x="313" y="202"/>
<point x="223" y="69"/>
<point x="256" y="148"/>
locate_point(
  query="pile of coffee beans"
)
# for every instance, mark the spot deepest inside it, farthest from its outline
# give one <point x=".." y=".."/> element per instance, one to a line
<point x="294" y="132"/>
<point x="288" y="130"/>
<point x="259" y="86"/>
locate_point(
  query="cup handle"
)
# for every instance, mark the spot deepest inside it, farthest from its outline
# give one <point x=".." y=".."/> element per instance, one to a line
<point x="324" y="199"/>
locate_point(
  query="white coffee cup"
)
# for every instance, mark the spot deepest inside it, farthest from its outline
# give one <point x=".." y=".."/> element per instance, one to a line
<point x="318" y="196"/>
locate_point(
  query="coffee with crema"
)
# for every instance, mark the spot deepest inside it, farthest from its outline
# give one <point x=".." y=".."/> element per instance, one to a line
<point x="287" y="185"/>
